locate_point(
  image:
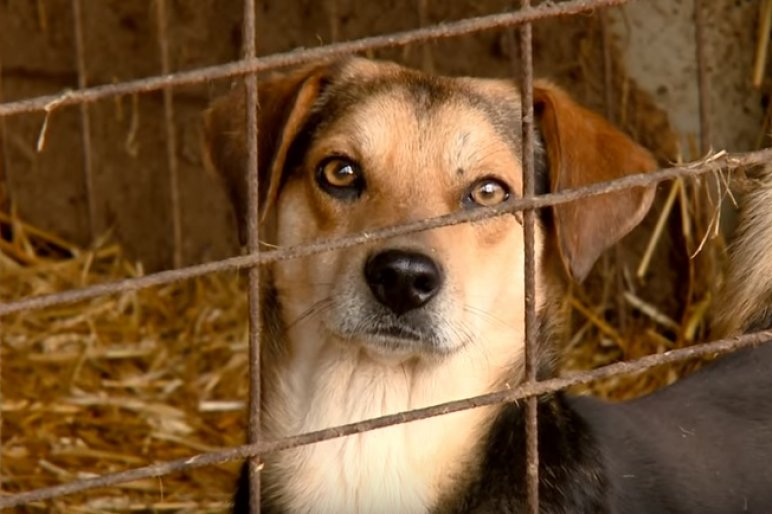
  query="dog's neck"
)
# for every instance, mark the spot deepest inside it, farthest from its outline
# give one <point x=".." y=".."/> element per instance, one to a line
<point x="404" y="468"/>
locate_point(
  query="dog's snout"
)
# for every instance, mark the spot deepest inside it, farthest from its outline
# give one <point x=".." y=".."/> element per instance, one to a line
<point x="401" y="280"/>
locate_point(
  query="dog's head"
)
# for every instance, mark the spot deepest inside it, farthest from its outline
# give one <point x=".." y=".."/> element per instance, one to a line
<point x="356" y="145"/>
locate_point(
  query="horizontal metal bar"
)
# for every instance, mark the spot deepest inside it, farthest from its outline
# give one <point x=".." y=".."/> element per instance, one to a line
<point x="521" y="392"/>
<point x="278" y="60"/>
<point x="719" y="161"/>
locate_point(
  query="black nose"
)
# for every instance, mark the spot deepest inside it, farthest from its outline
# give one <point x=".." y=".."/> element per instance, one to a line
<point x="402" y="281"/>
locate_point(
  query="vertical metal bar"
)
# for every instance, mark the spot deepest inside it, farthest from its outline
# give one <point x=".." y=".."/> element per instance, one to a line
<point x="706" y="137"/>
<point x="4" y="177"/>
<point x="531" y="327"/>
<point x="171" y="134"/>
<point x="608" y="104"/>
<point x="5" y="171"/>
<point x="85" y="119"/>
<point x="427" y="62"/>
<point x="253" y="242"/>
<point x="334" y="18"/>
<point x="608" y="66"/>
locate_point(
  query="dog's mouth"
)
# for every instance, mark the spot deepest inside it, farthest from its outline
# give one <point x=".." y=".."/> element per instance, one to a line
<point x="397" y="332"/>
<point x="392" y="335"/>
<point x="398" y="342"/>
<point x="395" y="337"/>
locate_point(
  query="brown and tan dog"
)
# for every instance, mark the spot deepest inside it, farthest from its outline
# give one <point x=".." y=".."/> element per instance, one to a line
<point x="427" y="318"/>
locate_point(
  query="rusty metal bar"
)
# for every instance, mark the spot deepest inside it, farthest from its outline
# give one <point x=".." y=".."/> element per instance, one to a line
<point x="4" y="160"/>
<point x="85" y="119"/>
<point x="242" y="67"/>
<point x="703" y="84"/>
<point x="529" y="242"/>
<point x="427" y="61"/>
<point x="518" y="393"/>
<point x="3" y="177"/>
<point x="608" y="66"/>
<point x="333" y="10"/>
<point x="253" y="243"/>
<point x="718" y="161"/>
<point x="171" y="134"/>
<point x="608" y="106"/>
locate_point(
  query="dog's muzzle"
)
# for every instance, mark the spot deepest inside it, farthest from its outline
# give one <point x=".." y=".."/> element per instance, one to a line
<point x="403" y="281"/>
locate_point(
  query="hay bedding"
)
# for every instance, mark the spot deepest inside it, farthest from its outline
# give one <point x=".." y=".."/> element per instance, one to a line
<point x="141" y="377"/>
<point x="119" y="381"/>
<point x="652" y="293"/>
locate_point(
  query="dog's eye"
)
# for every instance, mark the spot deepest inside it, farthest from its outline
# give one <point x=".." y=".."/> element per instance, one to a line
<point x="487" y="193"/>
<point x="340" y="177"/>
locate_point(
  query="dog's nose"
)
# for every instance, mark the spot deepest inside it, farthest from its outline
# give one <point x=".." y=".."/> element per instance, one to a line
<point x="401" y="280"/>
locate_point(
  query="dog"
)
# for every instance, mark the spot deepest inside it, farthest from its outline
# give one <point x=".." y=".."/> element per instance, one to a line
<point x="747" y="298"/>
<point x="354" y="145"/>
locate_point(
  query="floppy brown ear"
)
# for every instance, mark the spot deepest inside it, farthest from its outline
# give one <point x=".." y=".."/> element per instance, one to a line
<point x="284" y="102"/>
<point x="583" y="148"/>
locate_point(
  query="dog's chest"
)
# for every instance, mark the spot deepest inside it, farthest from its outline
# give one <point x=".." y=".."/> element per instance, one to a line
<point x="365" y="473"/>
<point x="403" y="468"/>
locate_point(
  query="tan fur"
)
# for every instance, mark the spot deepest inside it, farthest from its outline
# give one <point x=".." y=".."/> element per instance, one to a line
<point x="320" y="369"/>
<point x="748" y="292"/>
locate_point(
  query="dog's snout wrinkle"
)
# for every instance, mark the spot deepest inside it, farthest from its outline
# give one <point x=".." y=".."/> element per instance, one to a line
<point x="403" y="281"/>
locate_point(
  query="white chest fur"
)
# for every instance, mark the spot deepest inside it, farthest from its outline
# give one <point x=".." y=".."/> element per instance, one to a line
<point x="402" y="468"/>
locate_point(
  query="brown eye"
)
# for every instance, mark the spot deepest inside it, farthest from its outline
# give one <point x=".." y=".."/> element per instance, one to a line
<point x="340" y="177"/>
<point x="487" y="193"/>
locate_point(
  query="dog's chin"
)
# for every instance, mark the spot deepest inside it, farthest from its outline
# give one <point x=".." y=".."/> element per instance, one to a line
<point x="396" y="344"/>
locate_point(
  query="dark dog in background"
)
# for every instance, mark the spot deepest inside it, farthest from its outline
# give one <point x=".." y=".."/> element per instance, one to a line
<point x="418" y="320"/>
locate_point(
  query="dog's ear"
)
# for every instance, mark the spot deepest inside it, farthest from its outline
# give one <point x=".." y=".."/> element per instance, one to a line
<point x="583" y="148"/>
<point x="284" y="102"/>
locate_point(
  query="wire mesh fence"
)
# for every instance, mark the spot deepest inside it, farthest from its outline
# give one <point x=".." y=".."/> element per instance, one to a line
<point x="248" y="67"/>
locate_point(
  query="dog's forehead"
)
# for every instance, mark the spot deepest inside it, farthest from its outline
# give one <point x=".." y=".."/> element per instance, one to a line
<point x="358" y="83"/>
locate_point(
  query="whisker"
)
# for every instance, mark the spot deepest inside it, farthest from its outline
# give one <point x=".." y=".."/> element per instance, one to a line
<point x="467" y="337"/>
<point x="487" y="315"/>
<point x="306" y="284"/>
<point x="316" y="308"/>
